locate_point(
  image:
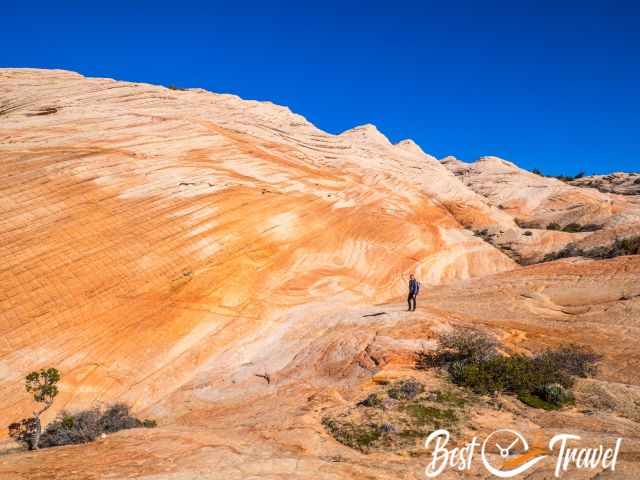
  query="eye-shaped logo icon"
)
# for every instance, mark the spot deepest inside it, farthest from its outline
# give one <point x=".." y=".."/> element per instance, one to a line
<point x="516" y="446"/>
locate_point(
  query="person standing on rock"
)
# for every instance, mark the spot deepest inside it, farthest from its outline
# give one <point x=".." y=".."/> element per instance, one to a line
<point x="414" y="288"/>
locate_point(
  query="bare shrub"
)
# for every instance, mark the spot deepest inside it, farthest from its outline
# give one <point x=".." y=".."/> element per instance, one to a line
<point x="573" y="359"/>
<point x="466" y="344"/>
<point x="406" y="389"/>
<point x="68" y="429"/>
<point x="24" y="432"/>
<point x="620" y="247"/>
<point x="461" y="345"/>
<point x="117" y="418"/>
<point x="87" y="425"/>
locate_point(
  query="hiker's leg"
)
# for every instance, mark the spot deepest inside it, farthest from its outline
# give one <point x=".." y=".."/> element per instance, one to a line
<point x="409" y="301"/>
<point x="414" y="302"/>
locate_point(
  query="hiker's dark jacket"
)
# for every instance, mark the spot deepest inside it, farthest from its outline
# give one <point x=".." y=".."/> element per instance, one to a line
<point x="413" y="287"/>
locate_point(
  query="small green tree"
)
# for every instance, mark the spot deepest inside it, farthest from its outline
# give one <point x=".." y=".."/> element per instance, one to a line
<point x="42" y="385"/>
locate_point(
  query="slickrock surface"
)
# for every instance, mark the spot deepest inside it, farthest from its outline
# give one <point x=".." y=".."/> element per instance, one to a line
<point x="165" y="248"/>
<point x="542" y="200"/>
<point x="536" y="202"/>
<point x="618" y="182"/>
<point x="145" y="229"/>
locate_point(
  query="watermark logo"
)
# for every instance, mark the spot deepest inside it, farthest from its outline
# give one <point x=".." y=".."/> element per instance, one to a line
<point x="514" y="455"/>
<point x="518" y="448"/>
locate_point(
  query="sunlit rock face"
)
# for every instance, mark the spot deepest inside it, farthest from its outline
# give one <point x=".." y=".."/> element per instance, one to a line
<point x="536" y="202"/>
<point x="234" y="272"/>
<point x="144" y="229"/>
<point x="539" y="199"/>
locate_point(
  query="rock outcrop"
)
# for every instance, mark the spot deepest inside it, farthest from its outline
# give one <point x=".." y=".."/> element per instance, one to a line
<point x="618" y="182"/>
<point x="147" y="229"/>
<point x="536" y="202"/>
<point x="542" y="200"/>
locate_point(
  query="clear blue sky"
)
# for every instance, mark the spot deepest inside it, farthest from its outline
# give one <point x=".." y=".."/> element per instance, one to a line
<point x="552" y="85"/>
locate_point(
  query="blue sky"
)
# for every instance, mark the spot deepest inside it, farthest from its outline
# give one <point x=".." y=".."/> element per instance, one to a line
<point x="549" y="85"/>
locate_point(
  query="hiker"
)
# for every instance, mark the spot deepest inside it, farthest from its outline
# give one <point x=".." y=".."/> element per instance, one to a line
<point x="414" y="288"/>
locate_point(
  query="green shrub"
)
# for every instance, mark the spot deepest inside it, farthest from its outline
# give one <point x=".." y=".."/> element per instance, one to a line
<point x="628" y="246"/>
<point x="67" y="421"/>
<point x="553" y="226"/>
<point x="568" y="251"/>
<point x="555" y="394"/>
<point x="514" y="374"/>
<point x="524" y="224"/>
<point x="428" y="415"/>
<point x="571" y="228"/>
<point x="413" y="413"/>
<point x="484" y="234"/>
<point x="536" y="402"/>
<point x="564" y="178"/>
<point x="372" y="400"/>
<point x="576" y="228"/>
<point x="591" y="227"/>
<point x="475" y="377"/>
<point x="472" y="361"/>
<point x="42" y="385"/>
<point x="360" y="437"/>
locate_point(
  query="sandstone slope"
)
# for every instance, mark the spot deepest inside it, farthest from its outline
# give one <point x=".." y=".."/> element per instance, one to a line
<point x="535" y="202"/>
<point x="144" y="230"/>
<point x="228" y="424"/>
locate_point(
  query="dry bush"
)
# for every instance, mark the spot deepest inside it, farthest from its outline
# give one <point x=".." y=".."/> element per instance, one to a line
<point x="87" y="425"/>
<point x="462" y="344"/>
